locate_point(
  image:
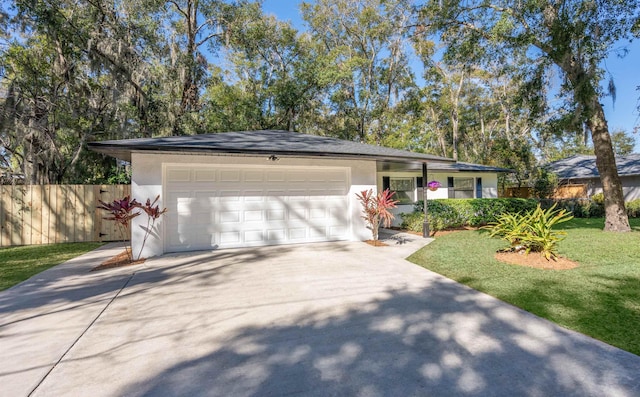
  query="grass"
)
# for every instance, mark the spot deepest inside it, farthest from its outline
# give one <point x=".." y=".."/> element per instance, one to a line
<point x="600" y="298"/>
<point x="19" y="263"/>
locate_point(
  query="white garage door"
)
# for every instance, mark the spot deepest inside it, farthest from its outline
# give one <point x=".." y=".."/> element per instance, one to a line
<point x="226" y="207"/>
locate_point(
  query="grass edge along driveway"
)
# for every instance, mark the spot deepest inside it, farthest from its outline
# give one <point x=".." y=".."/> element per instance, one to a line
<point x="600" y="298"/>
<point x="20" y="263"/>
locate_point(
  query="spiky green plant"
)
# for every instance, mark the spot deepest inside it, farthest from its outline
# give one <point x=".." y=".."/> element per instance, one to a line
<point x="533" y="230"/>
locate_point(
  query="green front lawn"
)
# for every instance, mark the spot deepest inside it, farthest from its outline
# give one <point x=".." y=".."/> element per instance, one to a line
<point x="600" y="298"/>
<point x="19" y="263"/>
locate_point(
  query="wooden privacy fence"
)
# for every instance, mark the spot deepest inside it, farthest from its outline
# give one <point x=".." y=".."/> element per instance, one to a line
<point x="570" y="192"/>
<point x="45" y="214"/>
<point x="517" y="192"/>
<point x="560" y="193"/>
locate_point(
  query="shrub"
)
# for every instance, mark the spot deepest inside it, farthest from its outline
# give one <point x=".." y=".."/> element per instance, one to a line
<point x="532" y="231"/>
<point x="121" y="211"/>
<point x="376" y="209"/>
<point x="545" y="184"/>
<point x="580" y="208"/>
<point x="451" y="213"/>
<point x="598" y="198"/>
<point x="413" y="221"/>
<point x="633" y="208"/>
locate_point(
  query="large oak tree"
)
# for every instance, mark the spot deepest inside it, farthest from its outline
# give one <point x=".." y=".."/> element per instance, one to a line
<point x="569" y="36"/>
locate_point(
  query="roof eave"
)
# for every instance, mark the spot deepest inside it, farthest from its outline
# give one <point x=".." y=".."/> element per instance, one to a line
<point x="124" y="153"/>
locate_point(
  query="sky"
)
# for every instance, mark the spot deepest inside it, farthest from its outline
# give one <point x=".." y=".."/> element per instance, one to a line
<point x="625" y="71"/>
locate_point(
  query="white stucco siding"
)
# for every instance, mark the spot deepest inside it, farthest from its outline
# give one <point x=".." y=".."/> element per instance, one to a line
<point x="489" y="185"/>
<point x="148" y="181"/>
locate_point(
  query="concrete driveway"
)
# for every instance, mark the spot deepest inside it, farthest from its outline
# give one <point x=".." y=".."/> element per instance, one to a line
<point x="330" y="319"/>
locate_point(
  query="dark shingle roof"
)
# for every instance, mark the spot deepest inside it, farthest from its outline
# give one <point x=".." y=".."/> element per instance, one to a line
<point x="268" y="142"/>
<point x="467" y="167"/>
<point x="581" y="166"/>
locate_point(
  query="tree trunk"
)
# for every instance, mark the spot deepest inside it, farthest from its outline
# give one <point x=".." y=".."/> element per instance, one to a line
<point x="454" y="134"/>
<point x="616" y="219"/>
<point x="455" y="100"/>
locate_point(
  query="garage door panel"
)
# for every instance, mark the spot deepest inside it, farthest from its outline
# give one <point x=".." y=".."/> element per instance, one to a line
<point x="178" y="175"/>
<point x="336" y="192"/>
<point x="227" y="175"/>
<point x="226" y="217"/>
<point x="230" y="238"/>
<point x="253" y="205"/>
<point x="297" y="233"/>
<point x="276" y="235"/>
<point x="253" y="236"/>
<point x="246" y="206"/>
<point x="276" y="195"/>
<point x="275" y="215"/>
<point x="337" y="216"/>
<point x="253" y="216"/>
<point x="276" y="176"/>
<point x="317" y="232"/>
<point x="318" y="213"/>
<point x="297" y="194"/>
<point x="334" y="176"/>
<point x="173" y="197"/>
<point x="254" y="195"/>
<point x="204" y="175"/>
<point x="229" y="195"/>
<point x="198" y="236"/>
<point x="253" y="176"/>
<point x="297" y="176"/>
<point x="297" y="214"/>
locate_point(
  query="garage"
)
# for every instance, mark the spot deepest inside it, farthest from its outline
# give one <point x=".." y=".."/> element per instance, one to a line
<point x="254" y="188"/>
<point x="238" y="206"/>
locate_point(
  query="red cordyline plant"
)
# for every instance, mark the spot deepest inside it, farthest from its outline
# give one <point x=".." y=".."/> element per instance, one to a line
<point x="153" y="212"/>
<point x="121" y="212"/>
<point x="376" y="209"/>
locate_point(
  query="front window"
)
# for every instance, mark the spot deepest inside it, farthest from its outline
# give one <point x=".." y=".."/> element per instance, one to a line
<point x="404" y="188"/>
<point x="463" y="188"/>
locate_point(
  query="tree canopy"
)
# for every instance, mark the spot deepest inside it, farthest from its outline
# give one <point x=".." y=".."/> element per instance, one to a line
<point x="474" y="80"/>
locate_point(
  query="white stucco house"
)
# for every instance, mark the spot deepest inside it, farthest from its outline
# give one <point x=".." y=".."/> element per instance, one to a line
<point x="254" y="188"/>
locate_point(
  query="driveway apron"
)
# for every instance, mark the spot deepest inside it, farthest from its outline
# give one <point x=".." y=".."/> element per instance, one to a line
<point x="327" y="319"/>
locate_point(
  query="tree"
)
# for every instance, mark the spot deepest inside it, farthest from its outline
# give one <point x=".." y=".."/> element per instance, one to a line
<point x="193" y="26"/>
<point x="572" y="37"/>
<point x="72" y="72"/>
<point x="272" y="81"/>
<point x="623" y="143"/>
<point x="365" y="70"/>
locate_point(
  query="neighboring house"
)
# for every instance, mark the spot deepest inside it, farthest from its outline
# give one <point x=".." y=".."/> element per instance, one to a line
<point x="582" y="170"/>
<point x="253" y="188"/>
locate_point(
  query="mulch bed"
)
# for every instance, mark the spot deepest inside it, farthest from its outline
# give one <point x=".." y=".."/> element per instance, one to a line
<point x="536" y="260"/>
<point x="533" y="259"/>
<point x="451" y="230"/>
<point x="435" y="233"/>
<point x="120" y="260"/>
